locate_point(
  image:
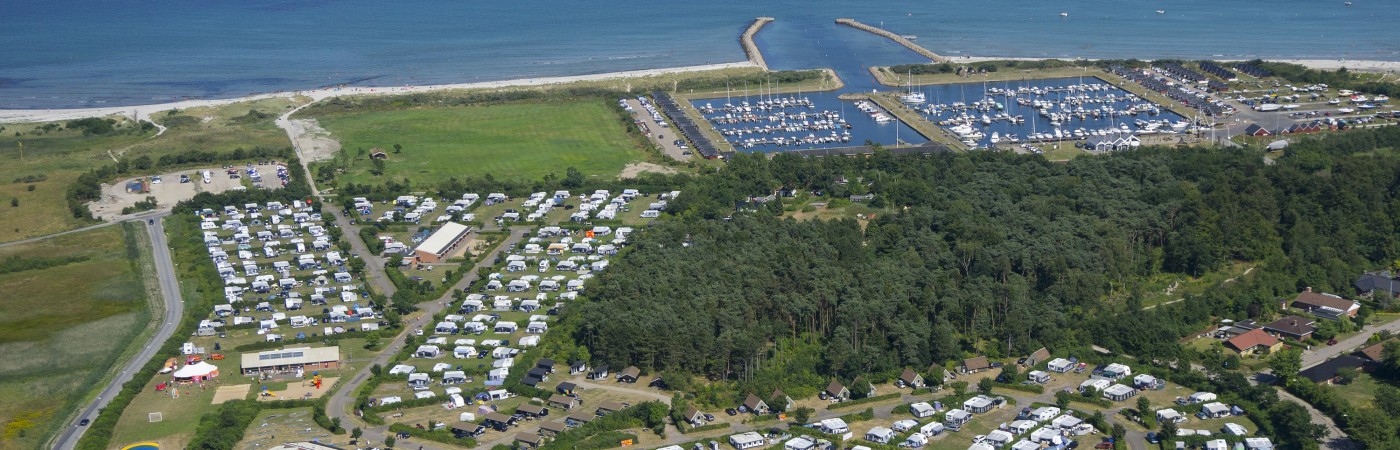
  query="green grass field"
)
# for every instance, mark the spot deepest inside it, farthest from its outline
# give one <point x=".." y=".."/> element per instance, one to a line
<point x="60" y="155"/>
<point x="59" y="336"/>
<point x="523" y="141"/>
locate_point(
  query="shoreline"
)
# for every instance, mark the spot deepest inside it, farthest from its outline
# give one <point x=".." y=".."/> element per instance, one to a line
<point x="143" y="112"/>
<point x="1359" y="65"/>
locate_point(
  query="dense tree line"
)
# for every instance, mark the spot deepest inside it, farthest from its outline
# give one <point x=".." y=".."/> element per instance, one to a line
<point x="986" y="253"/>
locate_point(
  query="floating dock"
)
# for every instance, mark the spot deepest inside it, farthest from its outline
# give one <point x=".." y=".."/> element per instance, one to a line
<point x="750" y="48"/>
<point x="901" y="40"/>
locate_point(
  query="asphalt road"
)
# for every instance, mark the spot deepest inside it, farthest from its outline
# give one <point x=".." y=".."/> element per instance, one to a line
<point x="341" y="402"/>
<point x="1336" y="439"/>
<point x="1318" y="355"/>
<point x="174" y="309"/>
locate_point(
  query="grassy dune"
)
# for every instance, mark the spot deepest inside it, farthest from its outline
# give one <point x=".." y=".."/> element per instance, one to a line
<point x="59" y="155"/>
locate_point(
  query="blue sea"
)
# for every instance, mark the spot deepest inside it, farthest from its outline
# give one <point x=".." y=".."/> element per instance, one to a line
<point x="84" y="53"/>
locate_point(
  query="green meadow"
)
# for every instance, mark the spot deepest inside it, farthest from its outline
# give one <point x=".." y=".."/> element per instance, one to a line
<point x="72" y="305"/>
<point x="520" y="141"/>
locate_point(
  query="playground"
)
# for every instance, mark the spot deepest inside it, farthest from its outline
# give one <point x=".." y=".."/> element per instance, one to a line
<point x="313" y="387"/>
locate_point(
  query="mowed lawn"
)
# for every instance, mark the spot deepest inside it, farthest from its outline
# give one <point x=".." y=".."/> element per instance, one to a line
<point x="63" y="327"/>
<point x="518" y="141"/>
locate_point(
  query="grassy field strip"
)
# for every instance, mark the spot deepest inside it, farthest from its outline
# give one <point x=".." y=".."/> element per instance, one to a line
<point x="830" y="83"/>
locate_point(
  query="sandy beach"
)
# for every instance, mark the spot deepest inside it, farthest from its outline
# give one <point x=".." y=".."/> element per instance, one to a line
<point x="1324" y="64"/>
<point x="142" y="112"/>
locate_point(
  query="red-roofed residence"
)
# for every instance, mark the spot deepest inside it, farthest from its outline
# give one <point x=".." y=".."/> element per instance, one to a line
<point x="1254" y="341"/>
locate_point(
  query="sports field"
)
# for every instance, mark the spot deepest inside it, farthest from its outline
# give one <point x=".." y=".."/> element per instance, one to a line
<point x="517" y="141"/>
<point x="71" y="306"/>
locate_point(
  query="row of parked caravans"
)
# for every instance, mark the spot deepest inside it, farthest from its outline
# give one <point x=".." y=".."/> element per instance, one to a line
<point x="481" y="323"/>
<point x="280" y="286"/>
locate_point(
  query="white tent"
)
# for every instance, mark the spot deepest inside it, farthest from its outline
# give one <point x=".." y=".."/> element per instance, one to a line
<point x="197" y="371"/>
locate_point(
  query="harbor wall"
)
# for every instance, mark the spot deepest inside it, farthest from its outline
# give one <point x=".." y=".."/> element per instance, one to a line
<point x="893" y="37"/>
<point x="750" y="48"/>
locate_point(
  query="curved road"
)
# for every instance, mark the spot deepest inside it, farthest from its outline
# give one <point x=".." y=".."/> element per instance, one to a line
<point x="341" y="401"/>
<point x="174" y="309"/>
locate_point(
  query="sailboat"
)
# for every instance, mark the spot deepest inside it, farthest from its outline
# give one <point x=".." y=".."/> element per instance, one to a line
<point x="911" y="97"/>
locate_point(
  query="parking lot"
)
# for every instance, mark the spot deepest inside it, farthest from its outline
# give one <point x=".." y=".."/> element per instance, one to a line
<point x="168" y="188"/>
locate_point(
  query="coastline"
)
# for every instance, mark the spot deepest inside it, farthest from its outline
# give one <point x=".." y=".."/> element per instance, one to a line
<point x="143" y="112"/>
<point x="1360" y="65"/>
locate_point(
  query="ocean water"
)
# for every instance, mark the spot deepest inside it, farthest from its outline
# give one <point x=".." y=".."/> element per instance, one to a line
<point x="83" y="53"/>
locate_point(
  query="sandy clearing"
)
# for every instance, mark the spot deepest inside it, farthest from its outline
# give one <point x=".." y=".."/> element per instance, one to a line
<point x="314" y="142"/>
<point x="171" y="191"/>
<point x="297" y="390"/>
<point x="228" y="393"/>
<point x="637" y="168"/>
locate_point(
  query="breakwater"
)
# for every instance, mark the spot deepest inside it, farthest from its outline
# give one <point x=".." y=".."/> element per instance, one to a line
<point x="750" y="48"/>
<point x="893" y="37"/>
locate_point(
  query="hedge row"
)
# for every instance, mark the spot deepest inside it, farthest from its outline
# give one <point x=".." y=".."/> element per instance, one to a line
<point x="850" y="403"/>
<point x="713" y="426"/>
<point x="444" y="435"/>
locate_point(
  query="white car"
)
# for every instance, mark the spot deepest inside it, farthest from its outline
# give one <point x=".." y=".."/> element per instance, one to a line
<point x="155" y="180"/>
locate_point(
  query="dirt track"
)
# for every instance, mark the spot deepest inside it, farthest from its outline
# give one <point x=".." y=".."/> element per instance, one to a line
<point x="314" y="142"/>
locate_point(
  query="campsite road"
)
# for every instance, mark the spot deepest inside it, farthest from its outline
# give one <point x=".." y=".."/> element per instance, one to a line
<point x="340" y="402"/>
<point x="174" y="310"/>
<point x="1320" y="354"/>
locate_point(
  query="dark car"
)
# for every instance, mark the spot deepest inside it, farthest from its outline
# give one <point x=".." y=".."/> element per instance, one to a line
<point x="1152" y="438"/>
<point x="709" y="417"/>
<point x="84" y="422"/>
<point x="732" y="412"/>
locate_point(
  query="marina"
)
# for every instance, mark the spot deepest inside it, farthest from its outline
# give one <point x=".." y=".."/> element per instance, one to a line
<point x="1035" y="111"/>
<point x="802" y="121"/>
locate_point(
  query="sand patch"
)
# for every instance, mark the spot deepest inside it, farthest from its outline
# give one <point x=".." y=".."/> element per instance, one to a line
<point x="637" y="168"/>
<point x="298" y="390"/>
<point x="227" y="393"/>
<point x="314" y="142"/>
